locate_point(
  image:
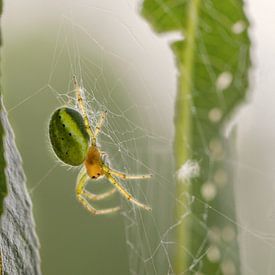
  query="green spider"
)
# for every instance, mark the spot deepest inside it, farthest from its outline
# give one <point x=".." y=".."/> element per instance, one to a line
<point x="74" y="142"/>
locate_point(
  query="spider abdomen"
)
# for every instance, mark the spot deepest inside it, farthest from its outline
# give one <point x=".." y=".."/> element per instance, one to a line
<point x="68" y="136"/>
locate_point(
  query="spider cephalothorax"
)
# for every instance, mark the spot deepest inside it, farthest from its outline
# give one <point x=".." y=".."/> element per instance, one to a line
<point x="94" y="163"/>
<point x="74" y="142"/>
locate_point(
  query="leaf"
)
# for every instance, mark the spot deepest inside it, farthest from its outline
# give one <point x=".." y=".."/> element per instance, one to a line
<point x="18" y="242"/>
<point x="3" y="184"/>
<point x="213" y="61"/>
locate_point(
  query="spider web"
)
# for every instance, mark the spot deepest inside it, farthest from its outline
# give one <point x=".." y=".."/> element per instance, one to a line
<point x="129" y="72"/>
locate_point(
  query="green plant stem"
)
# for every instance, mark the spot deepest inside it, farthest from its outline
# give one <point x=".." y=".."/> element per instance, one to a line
<point x="183" y="127"/>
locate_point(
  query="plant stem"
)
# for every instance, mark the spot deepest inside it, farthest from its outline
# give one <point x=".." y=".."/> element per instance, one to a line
<point x="183" y="125"/>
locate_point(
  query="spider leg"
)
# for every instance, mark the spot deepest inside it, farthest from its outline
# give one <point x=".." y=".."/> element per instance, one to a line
<point x="125" y="193"/>
<point x="94" y="211"/>
<point x="97" y="197"/>
<point x="100" y="123"/>
<point x="80" y="190"/>
<point x="125" y="176"/>
<point x="82" y="108"/>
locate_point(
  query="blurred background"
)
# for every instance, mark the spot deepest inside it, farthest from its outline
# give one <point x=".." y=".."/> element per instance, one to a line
<point x="130" y="71"/>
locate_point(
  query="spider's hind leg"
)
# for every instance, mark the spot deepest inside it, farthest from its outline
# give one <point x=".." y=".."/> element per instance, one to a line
<point x="100" y="123"/>
<point x="94" y="211"/>
<point x="98" y="197"/>
<point x="81" y="106"/>
<point x="81" y="193"/>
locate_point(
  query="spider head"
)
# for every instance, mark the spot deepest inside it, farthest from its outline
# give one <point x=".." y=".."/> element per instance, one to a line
<point x="94" y="163"/>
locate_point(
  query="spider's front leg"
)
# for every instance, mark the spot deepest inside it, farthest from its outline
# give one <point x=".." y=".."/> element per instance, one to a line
<point x="125" y="176"/>
<point x="125" y="193"/>
<point x="81" y="193"/>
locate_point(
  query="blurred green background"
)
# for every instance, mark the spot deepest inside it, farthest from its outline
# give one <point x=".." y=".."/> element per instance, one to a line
<point x="72" y="242"/>
<point x="131" y="72"/>
<point x="41" y="52"/>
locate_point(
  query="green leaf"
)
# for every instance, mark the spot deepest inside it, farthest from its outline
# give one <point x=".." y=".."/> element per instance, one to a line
<point x="213" y="61"/>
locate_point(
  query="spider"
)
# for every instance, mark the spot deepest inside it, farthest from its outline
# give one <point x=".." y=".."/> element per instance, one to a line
<point x="74" y="142"/>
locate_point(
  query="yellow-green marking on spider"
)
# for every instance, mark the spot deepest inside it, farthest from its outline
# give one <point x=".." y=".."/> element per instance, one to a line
<point x="68" y="136"/>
